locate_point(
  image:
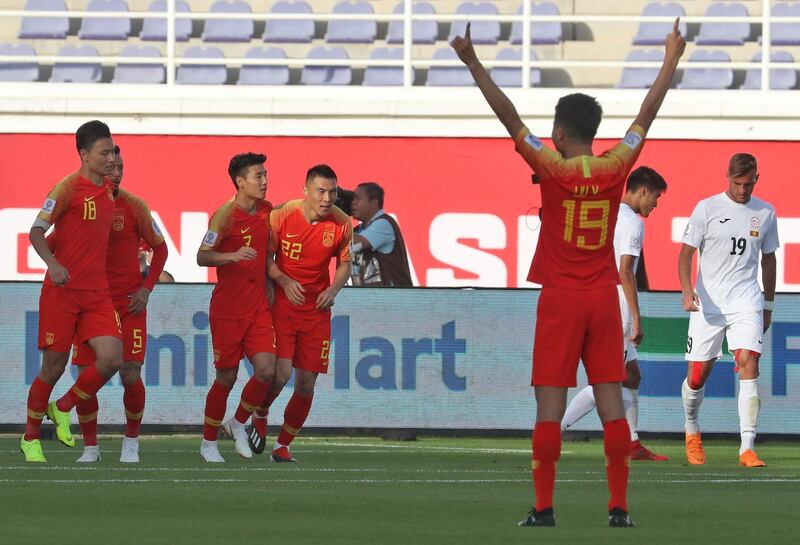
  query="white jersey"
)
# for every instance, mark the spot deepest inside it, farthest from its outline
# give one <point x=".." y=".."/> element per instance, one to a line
<point x="731" y="238"/>
<point x="628" y="240"/>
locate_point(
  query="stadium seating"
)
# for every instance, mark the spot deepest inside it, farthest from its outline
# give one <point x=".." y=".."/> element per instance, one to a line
<point x="448" y="76"/>
<point x="724" y="33"/>
<point x="422" y="32"/>
<point x="18" y="71"/>
<point x="326" y="75"/>
<point x="385" y="75"/>
<point x="101" y="28"/>
<point x="77" y="73"/>
<point x="541" y="33"/>
<point x="289" y="30"/>
<point x="785" y="33"/>
<point x="156" y="29"/>
<point x="228" y="30"/>
<point x="654" y="33"/>
<point x="355" y="31"/>
<point x="483" y="32"/>
<point x="779" y="79"/>
<point x="131" y="72"/>
<point x="45" y="27"/>
<point x="202" y="74"/>
<point x="640" y="78"/>
<point x="707" y="78"/>
<point x="506" y="76"/>
<point x="251" y="74"/>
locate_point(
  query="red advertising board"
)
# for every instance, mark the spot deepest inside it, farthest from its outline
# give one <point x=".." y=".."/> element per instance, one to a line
<point x="466" y="205"/>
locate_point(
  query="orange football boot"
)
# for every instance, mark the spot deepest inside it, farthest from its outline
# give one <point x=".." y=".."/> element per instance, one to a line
<point x="695" y="454"/>
<point x="750" y="459"/>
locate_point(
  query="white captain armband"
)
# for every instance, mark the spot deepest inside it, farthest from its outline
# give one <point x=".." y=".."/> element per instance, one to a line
<point x="41" y="224"/>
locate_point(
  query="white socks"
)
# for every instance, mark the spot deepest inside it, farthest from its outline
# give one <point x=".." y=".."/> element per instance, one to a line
<point x="582" y="404"/>
<point x="749" y="405"/>
<point x="630" y="398"/>
<point x="691" y="406"/>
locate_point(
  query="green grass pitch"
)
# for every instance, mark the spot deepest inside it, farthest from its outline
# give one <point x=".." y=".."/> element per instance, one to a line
<point x="347" y="490"/>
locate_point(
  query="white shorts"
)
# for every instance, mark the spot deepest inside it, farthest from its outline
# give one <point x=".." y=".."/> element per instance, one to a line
<point x="630" y="348"/>
<point x="744" y="330"/>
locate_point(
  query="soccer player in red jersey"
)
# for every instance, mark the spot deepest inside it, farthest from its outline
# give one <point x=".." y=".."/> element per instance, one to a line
<point x="578" y="314"/>
<point x="241" y="324"/>
<point x="130" y="293"/>
<point x="306" y="234"/>
<point x="75" y="302"/>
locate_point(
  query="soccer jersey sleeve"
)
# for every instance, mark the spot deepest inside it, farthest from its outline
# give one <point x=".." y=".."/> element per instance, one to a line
<point x="56" y="203"/>
<point x="632" y="239"/>
<point x="218" y="227"/>
<point x="696" y="228"/>
<point x="771" y="242"/>
<point x="276" y="217"/>
<point x="629" y="148"/>
<point x="343" y="255"/>
<point x="541" y="159"/>
<point x="145" y="224"/>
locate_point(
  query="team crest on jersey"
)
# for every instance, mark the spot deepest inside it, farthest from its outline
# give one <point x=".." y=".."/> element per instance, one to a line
<point x="754" y="225"/>
<point x="328" y="235"/>
<point x="49" y="338"/>
<point x="49" y="205"/>
<point x="119" y="223"/>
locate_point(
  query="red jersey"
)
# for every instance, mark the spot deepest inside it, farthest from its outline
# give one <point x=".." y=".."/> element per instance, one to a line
<point x="241" y="288"/>
<point x="580" y="201"/>
<point x="303" y="250"/>
<point x="132" y="223"/>
<point x="81" y="214"/>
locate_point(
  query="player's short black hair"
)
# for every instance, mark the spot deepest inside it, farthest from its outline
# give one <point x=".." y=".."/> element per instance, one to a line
<point x="579" y="115"/>
<point x="89" y="133"/>
<point x="646" y="177"/>
<point x="240" y="163"/>
<point x="321" y="170"/>
<point x="344" y="200"/>
<point x="374" y="191"/>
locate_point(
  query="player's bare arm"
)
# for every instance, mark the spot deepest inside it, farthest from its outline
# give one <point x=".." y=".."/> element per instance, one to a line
<point x="358" y="239"/>
<point x="768" y="278"/>
<point x="498" y="101"/>
<point x="293" y="289"/>
<point x="675" y="45"/>
<point x="690" y="301"/>
<point x="628" y="278"/>
<point x="58" y="273"/>
<point x="210" y="258"/>
<point x="327" y="297"/>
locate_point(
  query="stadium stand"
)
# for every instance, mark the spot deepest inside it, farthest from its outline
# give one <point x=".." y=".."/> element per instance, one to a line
<point x="322" y="74"/>
<point x="202" y="74"/>
<point x="653" y="33"/>
<point x="156" y="29"/>
<point x="786" y="33"/>
<point x="229" y="30"/>
<point x="448" y="76"/>
<point x="506" y="76"/>
<point x="707" y="78"/>
<point x="640" y="78"/>
<point x="45" y="27"/>
<point x="422" y="32"/>
<point x="131" y="72"/>
<point x="541" y="33"/>
<point x="18" y="71"/>
<point x="251" y="74"/>
<point x="724" y="33"/>
<point x="101" y="28"/>
<point x="483" y="32"/>
<point x="352" y="31"/>
<point x="384" y="75"/>
<point x="289" y="30"/>
<point x="779" y="79"/>
<point x="77" y="73"/>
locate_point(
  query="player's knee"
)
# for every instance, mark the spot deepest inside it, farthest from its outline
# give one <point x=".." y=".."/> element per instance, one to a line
<point x="634" y="377"/>
<point x="304" y="388"/>
<point x="226" y="377"/>
<point x="130" y="373"/>
<point x="264" y="374"/>
<point x="696" y="378"/>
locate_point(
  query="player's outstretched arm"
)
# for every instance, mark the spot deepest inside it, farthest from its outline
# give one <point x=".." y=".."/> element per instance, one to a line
<point x="57" y="272"/>
<point x="326" y="298"/>
<point x="675" y="44"/>
<point x="690" y="299"/>
<point x="498" y="101"/>
<point x="769" y="270"/>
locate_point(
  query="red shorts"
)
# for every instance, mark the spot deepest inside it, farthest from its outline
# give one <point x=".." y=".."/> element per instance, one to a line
<point x="67" y="315"/>
<point x="304" y="339"/>
<point x="134" y="339"/>
<point x="574" y="325"/>
<point x="235" y="338"/>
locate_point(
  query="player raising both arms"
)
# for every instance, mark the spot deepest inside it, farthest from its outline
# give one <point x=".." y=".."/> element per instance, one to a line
<point x="578" y="312"/>
<point x="306" y="234"/>
<point x="731" y="230"/>
<point x="130" y="293"/>
<point x="643" y="190"/>
<point x="75" y="303"/>
<point x="241" y="323"/>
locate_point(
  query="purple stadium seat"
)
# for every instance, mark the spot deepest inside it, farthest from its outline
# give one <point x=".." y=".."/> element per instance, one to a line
<point x="785" y="33"/>
<point x="251" y="74"/>
<point x="202" y="74"/>
<point x="288" y="30"/>
<point x="724" y="33"/>
<point x="45" y="27"/>
<point x="156" y="29"/>
<point x="505" y="76"/>
<point x="385" y="75"/>
<point x="422" y="32"/>
<point x="448" y="76"/>
<point x="228" y="30"/>
<point x="779" y="79"/>
<point x="18" y="71"/>
<point x="655" y="33"/>
<point x="483" y="32"/>
<point x="541" y="33"/>
<point x="77" y="73"/>
<point x="707" y="78"/>
<point x="640" y="78"/>
<point x="356" y="31"/>
<point x="131" y="72"/>
<point x="101" y="28"/>
<point x="326" y="75"/>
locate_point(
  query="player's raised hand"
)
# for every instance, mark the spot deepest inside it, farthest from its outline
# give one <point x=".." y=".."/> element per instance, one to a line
<point x="326" y="298"/>
<point x="463" y="47"/>
<point x="690" y="302"/>
<point x="675" y="43"/>
<point x="245" y="253"/>
<point x="58" y="274"/>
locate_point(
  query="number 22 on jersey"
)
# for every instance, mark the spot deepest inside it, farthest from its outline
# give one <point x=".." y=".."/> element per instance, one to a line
<point x="591" y="216"/>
